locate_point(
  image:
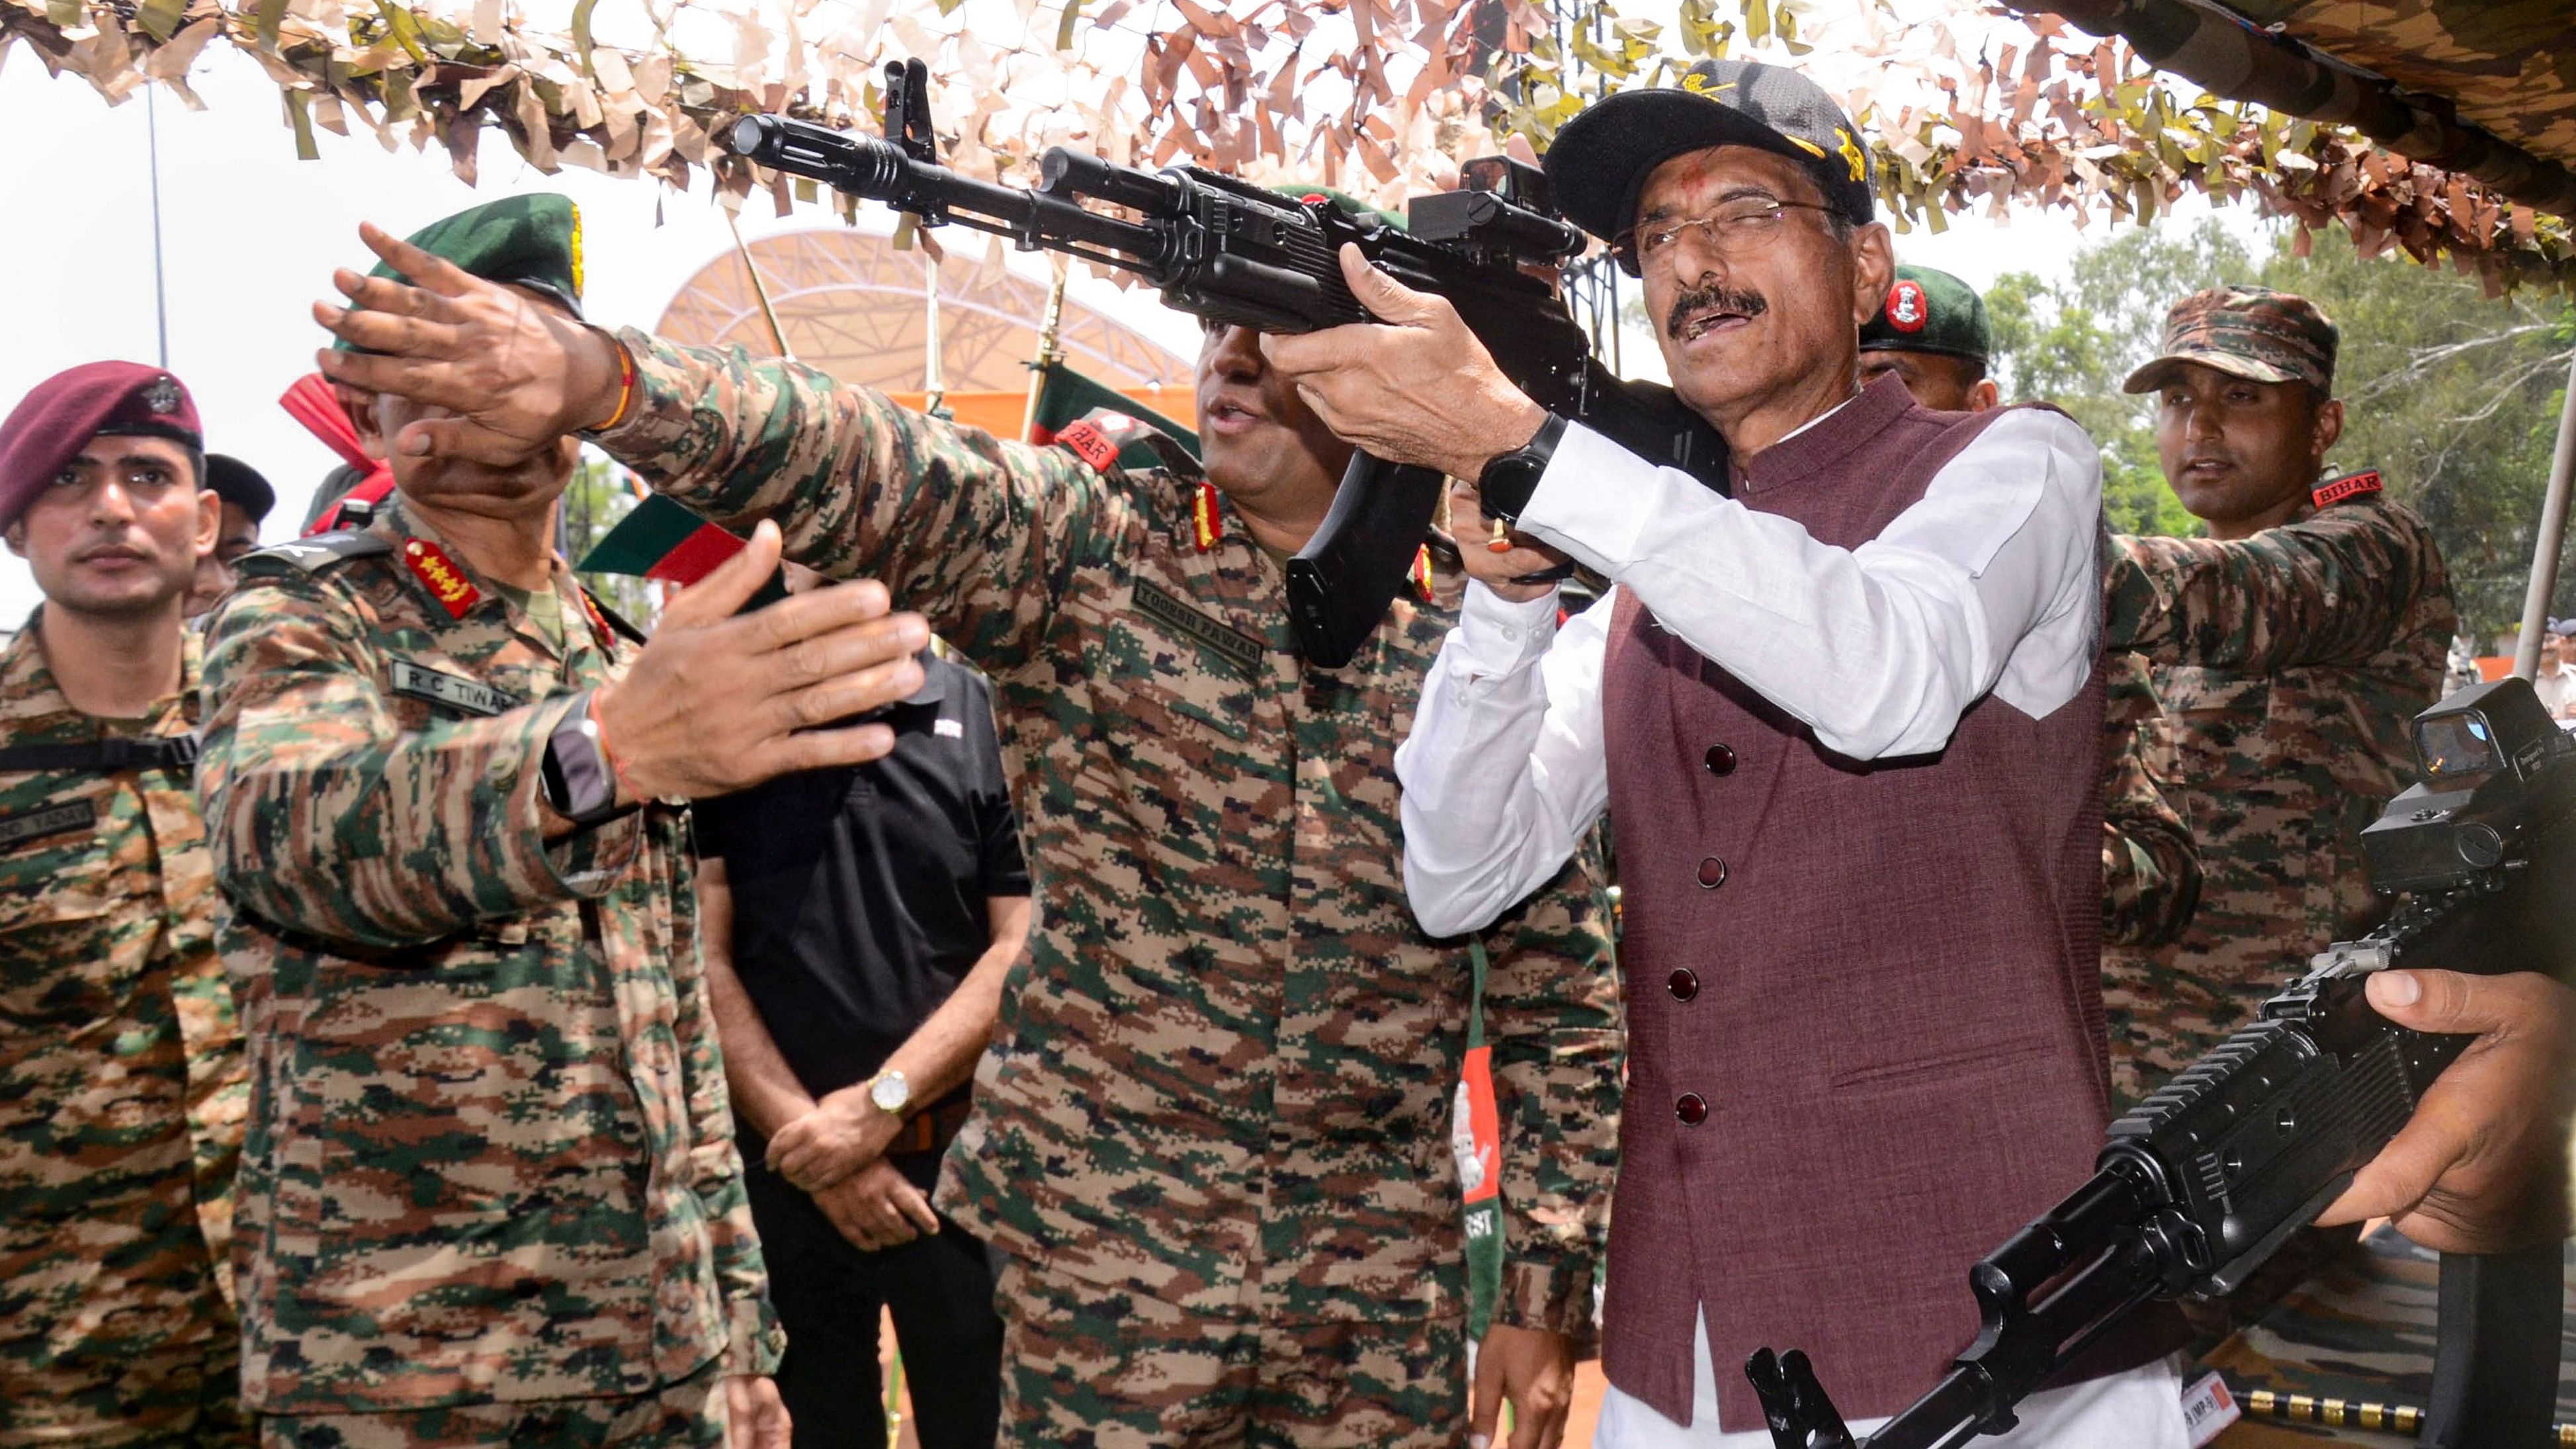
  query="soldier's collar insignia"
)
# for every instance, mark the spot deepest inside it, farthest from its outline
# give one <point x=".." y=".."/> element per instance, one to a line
<point x="2351" y="485"/>
<point x="1205" y="526"/>
<point x="446" y="582"/>
<point x="599" y="625"/>
<point x="162" y="396"/>
<point x="1420" y="573"/>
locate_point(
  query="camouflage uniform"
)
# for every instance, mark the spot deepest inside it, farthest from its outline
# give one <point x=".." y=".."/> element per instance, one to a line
<point x="1221" y="1079"/>
<point x="2291" y="664"/>
<point x="490" y="1159"/>
<point x="121" y="1089"/>
<point x="2150" y="865"/>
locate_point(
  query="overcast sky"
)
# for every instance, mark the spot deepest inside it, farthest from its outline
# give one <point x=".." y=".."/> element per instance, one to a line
<point x="250" y="235"/>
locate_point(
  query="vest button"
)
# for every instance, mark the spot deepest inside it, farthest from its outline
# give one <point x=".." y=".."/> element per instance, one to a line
<point x="1682" y="983"/>
<point x="1692" y="1109"/>
<point x="1712" y="873"/>
<point x="1720" y="760"/>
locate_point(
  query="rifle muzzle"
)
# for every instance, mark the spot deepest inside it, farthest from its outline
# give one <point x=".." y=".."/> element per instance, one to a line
<point x="857" y="165"/>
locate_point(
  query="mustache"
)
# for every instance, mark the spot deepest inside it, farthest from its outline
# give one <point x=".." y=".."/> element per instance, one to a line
<point x="1699" y="299"/>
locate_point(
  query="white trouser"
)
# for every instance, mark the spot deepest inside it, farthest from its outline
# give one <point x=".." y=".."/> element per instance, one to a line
<point x="2139" y="1409"/>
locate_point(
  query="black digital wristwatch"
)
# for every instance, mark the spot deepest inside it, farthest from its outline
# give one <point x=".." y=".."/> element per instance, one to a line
<point x="1505" y="486"/>
<point x="580" y="784"/>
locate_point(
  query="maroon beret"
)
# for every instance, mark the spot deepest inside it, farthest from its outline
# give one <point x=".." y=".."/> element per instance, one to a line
<point x="57" y="419"/>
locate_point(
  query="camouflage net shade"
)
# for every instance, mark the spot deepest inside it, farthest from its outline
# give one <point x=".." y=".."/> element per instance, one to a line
<point x="1970" y="105"/>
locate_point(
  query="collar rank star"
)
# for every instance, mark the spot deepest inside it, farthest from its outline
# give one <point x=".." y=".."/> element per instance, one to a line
<point x="2351" y="485"/>
<point x="445" y="580"/>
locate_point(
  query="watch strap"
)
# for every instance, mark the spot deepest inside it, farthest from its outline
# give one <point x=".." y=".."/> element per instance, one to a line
<point x="1506" y="485"/>
<point x="579" y="783"/>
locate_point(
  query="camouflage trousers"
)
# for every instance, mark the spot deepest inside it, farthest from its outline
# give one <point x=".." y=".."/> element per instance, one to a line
<point x="686" y="1415"/>
<point x="1086" y="1366"/>
<point x="176" y="1397"/>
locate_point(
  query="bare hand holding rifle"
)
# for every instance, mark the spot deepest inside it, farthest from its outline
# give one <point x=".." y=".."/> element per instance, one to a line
<point x="2358" y="1092"/>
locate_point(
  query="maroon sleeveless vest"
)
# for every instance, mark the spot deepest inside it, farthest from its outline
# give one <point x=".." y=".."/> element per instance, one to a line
<point x="1864" y="999"/>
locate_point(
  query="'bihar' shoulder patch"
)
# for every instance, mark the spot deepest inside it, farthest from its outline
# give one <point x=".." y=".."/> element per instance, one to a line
<point x="452" y="690"/>
<point x="2351" y="485"/>
<point x="322" y="550"/>
<point x="1090" y="444"/>
<point x="47" y="820"/>
<point x="1197" y="625"/>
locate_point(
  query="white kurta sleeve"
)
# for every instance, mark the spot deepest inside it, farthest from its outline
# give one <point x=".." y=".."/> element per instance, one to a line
<point x="1988" y="583"/>
<point x="1503" y="772"/>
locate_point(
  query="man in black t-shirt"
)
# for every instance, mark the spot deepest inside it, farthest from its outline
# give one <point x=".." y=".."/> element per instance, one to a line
<point x="871" y="914"/>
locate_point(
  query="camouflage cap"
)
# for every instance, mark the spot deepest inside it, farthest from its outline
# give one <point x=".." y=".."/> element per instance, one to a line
<point x="2249" y="332"/>
<point x="1928" y="310"/>
<point x="526" y="241"/>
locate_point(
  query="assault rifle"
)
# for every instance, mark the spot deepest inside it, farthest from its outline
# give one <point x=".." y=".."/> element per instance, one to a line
<point x="1233" y="253"/>
<point x="2202" y="1181"/>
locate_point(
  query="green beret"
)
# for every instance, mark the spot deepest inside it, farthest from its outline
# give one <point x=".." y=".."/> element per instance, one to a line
<point x="1930" y="311"/>
<point x="527" y="241"/>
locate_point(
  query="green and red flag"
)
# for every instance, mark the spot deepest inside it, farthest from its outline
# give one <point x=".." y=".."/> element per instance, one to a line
<point x="663" y="541"/>
<point x="1066" y="397"/>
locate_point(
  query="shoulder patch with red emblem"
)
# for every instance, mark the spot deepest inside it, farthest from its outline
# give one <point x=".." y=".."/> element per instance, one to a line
<point x="1089" y="443"/>
<point x="1908" y="310"/>
<point x="446" y="581"/>
<point x="2351" y="485"/>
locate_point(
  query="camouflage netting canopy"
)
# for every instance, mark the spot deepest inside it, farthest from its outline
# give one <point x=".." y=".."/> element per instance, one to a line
<point x="1971" y="104"/>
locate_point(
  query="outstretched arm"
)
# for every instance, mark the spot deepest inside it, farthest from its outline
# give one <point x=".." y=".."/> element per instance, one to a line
<point x="2326" y="590"/>
<point x="980" y="535"/>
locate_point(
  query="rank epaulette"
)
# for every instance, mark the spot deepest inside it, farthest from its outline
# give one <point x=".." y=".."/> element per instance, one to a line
<point x="321" y="551"/>
<point x="2351" y="485"/>
<point x="446" y="582"/>
<point x="1206" y="527"/>
<point x="1420" y="573"/>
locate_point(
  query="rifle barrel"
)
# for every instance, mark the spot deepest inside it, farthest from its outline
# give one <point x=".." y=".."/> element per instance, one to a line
<point x="879" y="171"/>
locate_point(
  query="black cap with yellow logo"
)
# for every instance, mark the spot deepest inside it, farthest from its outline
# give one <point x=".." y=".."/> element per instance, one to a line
<point x="1601" y="159"/>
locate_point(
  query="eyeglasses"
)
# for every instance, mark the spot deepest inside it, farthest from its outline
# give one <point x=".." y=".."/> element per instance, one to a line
<point x="1744" y="220"/>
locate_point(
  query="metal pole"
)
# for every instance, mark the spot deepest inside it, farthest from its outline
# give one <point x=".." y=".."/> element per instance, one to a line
<point x="934" y="387"/>
<point x="760" y="291"/>
<point x="1050" y="351"/>
<point x="160" y="295"/>
<point x="2553" y="537"/>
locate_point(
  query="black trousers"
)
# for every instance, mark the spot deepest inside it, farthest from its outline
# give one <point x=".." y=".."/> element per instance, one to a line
<point x="831" y="1297"/>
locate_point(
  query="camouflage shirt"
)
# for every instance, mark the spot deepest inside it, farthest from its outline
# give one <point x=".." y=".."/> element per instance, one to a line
<point x="2291" y="665"/>
<point x="490" y="1156"/>
<point x="2150" y="865"/>
<point x="1222" y="1074"/>
<point x="121" y="1081"/>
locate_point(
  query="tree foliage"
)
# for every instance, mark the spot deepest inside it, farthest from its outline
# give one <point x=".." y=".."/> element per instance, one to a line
<point x="598" y="496"/>
<point x="2453" y="395"/>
